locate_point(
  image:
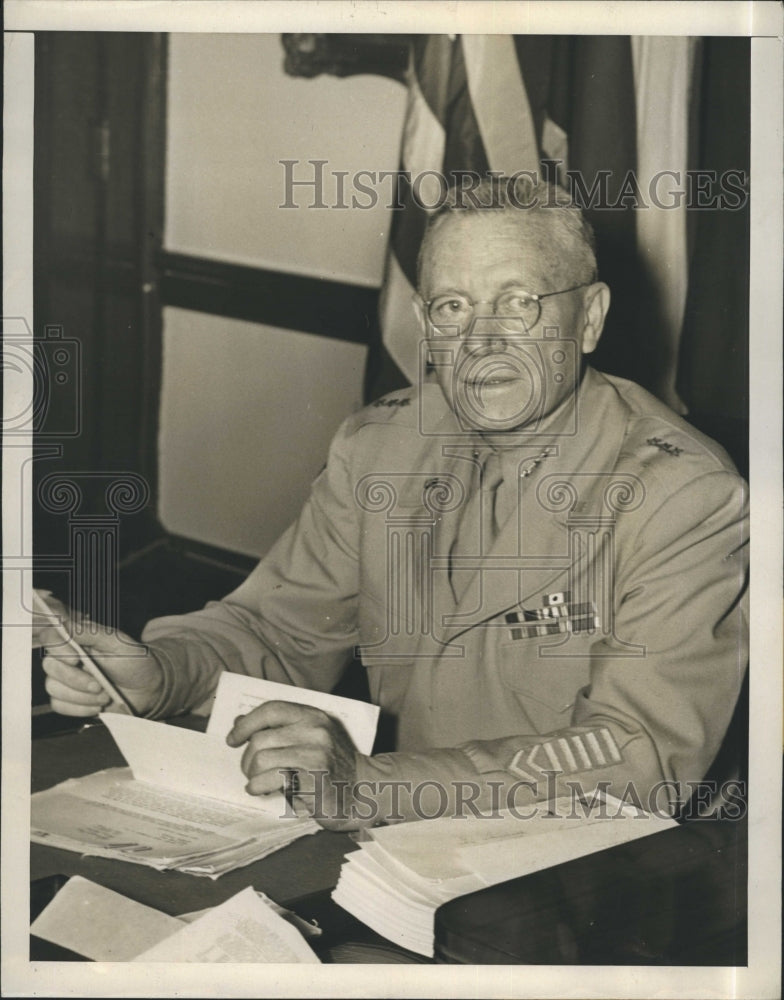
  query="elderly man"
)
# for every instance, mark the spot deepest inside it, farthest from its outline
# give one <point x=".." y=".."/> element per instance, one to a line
<point x="541" y="567"/>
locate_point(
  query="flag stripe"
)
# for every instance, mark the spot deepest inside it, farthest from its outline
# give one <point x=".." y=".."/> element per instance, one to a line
<point x="399" y="324"/>
<point x="423" y="140"/>
<point x="662" y="76"/>
<point x="464" y="147"/>
<point x="431" y="61"/>
<point x="407" y="231"/>
<point x="492" y="70"/>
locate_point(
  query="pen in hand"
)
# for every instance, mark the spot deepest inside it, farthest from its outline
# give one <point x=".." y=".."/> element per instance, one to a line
<point x="119" y="702"/>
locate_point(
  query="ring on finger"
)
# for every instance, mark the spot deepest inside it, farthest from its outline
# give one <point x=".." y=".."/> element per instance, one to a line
<point x="290" y="783"/>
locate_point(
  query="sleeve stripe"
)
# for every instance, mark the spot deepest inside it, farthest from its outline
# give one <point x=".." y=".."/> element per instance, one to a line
<point x="577" y="743"/>
<point x="549" y="749"/>
<point x="611" y="745"/>
<point x="567" y="752"/>
<point x="593" y="743"/>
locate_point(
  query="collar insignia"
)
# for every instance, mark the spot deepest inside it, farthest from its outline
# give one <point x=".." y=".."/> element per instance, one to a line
<point x="665" y="446"/>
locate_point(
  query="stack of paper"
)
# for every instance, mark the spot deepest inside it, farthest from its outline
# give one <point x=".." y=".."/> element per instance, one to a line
<point x="401" y="875"/>
<point x="107" y="927"/>
<point x="182" y="803"/>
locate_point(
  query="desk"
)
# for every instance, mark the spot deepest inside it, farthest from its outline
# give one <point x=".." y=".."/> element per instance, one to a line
<point x="674" y="898"/>
<point x="301" y="876"/>
<point x="678" y="897"/>
<point x="309" y="865"/>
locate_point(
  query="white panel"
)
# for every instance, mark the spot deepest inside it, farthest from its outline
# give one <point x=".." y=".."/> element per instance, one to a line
<point x="247" y="414"/>
<point x="233" y="115"/>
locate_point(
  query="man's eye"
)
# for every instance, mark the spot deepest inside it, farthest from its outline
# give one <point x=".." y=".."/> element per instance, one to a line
<point x="445" y="309"/>
<point x="515" y="303"/>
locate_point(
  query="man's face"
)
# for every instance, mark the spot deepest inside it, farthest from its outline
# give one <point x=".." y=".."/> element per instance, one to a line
<point x="501" y="373"/>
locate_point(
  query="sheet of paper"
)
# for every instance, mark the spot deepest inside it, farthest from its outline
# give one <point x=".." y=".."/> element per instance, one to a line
<point x="100" y="924"/>
<point x="237" y="695"/>
<point x="243" y="929"/>
<point x="110" y="814"/>
<point x="307" y="929"/>
<point x="575" y="838"/>
<point x="445" y="849"/>
<point x="187" y="762"/>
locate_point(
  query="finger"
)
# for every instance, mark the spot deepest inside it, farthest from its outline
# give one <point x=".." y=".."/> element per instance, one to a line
<point x="268" y="772"/>
<point x="281" y="737"/>
<point x="272" y="714"/>
<point x="296" y="743"/>
<point x="48" y="636"/>
<point x="70" y="675"/>
<point x="58" y="691"/>
<point x="70" y="708"/>
<point x="300" y="734"/>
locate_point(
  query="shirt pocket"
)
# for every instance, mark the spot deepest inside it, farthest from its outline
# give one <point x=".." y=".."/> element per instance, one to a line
<point x="530" y="667"/>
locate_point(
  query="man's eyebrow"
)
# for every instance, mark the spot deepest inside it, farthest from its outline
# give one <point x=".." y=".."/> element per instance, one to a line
<point x="514" y="283"/>
<point x="510" y="283"/>
<point x="448" y="291"/>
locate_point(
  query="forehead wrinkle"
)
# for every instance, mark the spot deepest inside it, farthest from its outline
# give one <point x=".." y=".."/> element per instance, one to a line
<point x="544" y="241"/>
<point x="482" y="262"/>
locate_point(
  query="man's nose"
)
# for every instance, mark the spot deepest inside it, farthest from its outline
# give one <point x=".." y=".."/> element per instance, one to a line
<point x="486" y="336"/>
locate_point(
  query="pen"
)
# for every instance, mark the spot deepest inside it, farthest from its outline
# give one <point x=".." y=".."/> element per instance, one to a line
<point x="121" y="703"/>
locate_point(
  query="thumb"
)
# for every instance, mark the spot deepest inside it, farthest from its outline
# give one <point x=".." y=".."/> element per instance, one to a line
<point x="105" y="640"/>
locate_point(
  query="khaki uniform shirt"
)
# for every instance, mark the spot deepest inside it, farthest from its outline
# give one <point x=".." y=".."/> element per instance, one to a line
<point x="602" y="637"/>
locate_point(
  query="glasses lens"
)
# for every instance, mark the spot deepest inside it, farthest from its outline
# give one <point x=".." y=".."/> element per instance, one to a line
<point x="450" y="313"/>
<point x="517" y="304"/>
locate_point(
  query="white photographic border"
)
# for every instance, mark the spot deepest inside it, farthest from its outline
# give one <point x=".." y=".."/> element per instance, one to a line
<point x="762" y="21"/>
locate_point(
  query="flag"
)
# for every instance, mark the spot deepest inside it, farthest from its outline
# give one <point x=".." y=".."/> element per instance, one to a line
<point x="453" y="123"/>
<point x="585" y="105"/>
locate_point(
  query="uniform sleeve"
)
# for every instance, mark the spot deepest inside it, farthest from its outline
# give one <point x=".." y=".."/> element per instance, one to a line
<point x="647" y="724"/>
<point x="292" y="621"/>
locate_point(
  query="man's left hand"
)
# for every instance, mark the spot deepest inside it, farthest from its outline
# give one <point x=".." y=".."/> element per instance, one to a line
<point x="282" y="736"/>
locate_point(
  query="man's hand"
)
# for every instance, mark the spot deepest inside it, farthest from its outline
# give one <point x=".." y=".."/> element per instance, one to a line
<point x="126" y="663"/>
<point x="282" y="736"/>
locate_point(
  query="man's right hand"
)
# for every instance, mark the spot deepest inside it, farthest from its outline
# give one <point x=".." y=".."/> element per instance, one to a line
<point x="128" y="664"/>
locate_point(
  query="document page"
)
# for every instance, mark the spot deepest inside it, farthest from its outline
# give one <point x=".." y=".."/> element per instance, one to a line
<point x="187" y="762"/>
<point x="237" y="695"/>
<point x="566" y="840"/>
<point x="101" y="924"/>
<point x="110" y="814"/>
<point x="243" y="929"/>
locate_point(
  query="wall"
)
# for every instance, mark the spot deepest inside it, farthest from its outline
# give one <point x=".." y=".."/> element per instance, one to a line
<point x="233" y="115"/>
<point x="247" y="411"/>
<point x="246" y="420"/>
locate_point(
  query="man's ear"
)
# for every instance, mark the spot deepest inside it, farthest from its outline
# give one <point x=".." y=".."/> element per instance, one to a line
<point x="596" y="303"/>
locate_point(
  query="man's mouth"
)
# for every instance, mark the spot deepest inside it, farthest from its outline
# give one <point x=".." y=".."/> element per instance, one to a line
<point x="491" y="375"/>
<point x="490" y="381"/>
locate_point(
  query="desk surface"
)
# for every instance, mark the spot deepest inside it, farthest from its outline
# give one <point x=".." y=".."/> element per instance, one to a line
<point x="308" y="866"/>
<point x="678" y="897"/>
<point x="674" y="898"/>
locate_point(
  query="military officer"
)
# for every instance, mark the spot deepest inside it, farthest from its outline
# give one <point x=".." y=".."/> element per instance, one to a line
<point x="541" y="567"/>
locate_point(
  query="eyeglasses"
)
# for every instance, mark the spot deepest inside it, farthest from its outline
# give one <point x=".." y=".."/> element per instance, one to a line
<point x="452" y="314"/>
